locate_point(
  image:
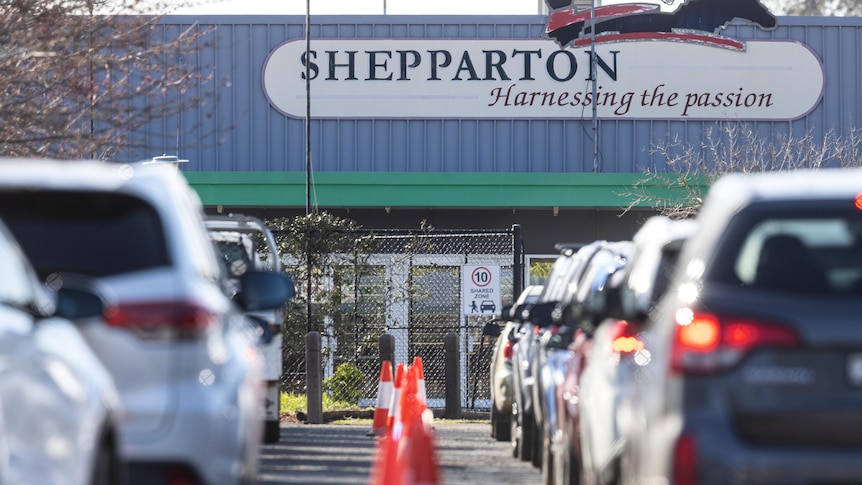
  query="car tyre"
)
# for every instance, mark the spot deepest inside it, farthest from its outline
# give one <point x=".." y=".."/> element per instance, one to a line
<point x="500" y="428"/>
<point x="528" y="437"/>
<point x="108" y="468"/>
<point x="503" y="430"/>
<point x="538" y="441"/>
<point x="271" y="431"/>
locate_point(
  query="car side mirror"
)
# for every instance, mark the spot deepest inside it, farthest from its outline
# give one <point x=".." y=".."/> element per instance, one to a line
<point x="78" y="303"/>
<point x="491" y="329"/>
<point x="264" y="290"/>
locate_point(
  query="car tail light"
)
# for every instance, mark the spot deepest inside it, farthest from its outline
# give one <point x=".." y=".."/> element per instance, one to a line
<point x="508" y="349"/>
<point x="685" y="461"/>
<point x="624" y="339"/>
<point x="165" y="319"/>
<point x="706" y="342"/>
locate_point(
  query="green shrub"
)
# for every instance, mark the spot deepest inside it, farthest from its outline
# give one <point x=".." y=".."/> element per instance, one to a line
<point x="345" y="385"/>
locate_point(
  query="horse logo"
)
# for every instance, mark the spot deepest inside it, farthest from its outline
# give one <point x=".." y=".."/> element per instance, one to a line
<point x="698" y="21"/>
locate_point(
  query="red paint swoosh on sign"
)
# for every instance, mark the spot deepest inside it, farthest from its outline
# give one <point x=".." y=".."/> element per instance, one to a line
<point x="712" y="40"/>
<point x="564" y="18"/>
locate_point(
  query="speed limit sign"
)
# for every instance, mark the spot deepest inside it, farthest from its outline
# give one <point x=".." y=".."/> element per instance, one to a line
<point x="480" y="289"/>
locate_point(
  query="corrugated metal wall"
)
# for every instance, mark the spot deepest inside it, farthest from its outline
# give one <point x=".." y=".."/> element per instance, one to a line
<point x="237" y="130"/>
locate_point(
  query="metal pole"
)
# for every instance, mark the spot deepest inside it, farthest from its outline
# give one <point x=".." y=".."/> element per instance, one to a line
<point x="518" y="263"/>
<point x="595" y="85"/>
<point x="307" y="107"/>
<point x="308" y="163"/>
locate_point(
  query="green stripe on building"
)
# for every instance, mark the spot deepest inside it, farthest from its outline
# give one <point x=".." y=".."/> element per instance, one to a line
<point x="439" y="190"/>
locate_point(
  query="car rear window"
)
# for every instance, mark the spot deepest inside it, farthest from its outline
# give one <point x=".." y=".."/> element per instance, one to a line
<point x="95" y="234"/>
<point x="799" y="251"/>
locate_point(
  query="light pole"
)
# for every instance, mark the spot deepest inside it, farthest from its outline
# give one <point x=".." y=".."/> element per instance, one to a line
<point x="308" y="164"/>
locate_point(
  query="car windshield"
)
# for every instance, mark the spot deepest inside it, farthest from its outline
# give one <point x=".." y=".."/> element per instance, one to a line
<point x="234" y="256"/>
<point x="95" y="234"/>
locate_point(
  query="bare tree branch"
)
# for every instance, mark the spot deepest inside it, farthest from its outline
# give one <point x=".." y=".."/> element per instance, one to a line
<point x="82" y="82"/>
<point x="678" y="190"/>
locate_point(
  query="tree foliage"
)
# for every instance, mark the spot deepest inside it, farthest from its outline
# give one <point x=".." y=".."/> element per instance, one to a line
<point x="83" y="77"/>
<point x="678" y="188"/>
<point x="324" y="251"/>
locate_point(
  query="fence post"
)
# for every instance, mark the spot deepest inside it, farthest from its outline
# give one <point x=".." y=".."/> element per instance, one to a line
<point x="518" y="263"/>
<point x="314" y="389"/>
<point x="386" y="342"/>
<point x="452" y="358"/>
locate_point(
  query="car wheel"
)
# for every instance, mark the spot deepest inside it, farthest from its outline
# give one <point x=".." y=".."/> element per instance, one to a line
<point x="503" y="430"/>
<point x="528" y="436"/>
<point x="573" y="469"/>
<point x="107" y="469"/>
<point x="271" y="431"/>
<point x="538" y="442"/>
<point x="493" y="420"/>
<point x="500" y="428"/>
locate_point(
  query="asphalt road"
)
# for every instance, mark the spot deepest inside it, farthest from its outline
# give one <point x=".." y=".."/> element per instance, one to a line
<point x="343" y="453"/>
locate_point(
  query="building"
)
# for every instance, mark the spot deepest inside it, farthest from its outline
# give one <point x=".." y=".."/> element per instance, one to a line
<point x="482" y="122"/>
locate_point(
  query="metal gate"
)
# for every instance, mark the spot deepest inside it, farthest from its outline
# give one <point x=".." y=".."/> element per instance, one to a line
<point x="408" y="286"/>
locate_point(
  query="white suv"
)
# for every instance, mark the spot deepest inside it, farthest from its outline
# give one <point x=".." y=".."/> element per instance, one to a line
<point x="243" y="243"/>
<point x="182" y="355"/>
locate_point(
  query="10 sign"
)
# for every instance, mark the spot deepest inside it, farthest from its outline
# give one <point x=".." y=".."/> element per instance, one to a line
<point x="480" y="287"/>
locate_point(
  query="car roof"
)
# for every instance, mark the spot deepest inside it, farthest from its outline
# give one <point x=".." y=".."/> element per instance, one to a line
<point x="806" y="184"/>
<point x="161" y="186"/>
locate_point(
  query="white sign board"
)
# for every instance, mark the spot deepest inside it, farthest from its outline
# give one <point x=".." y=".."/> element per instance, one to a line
<point x="480" y="287"/>
<point x="535" y="79"/>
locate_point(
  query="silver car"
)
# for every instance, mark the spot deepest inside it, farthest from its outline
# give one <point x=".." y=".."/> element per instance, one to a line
<point x="616" y="348"/>
<point x="59" y="409"/>
<point x="182" y="354"/>
<point x="501" y="364"/>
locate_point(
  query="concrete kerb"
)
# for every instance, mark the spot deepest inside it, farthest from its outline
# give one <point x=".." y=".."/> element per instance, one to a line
<point x="330" y="416"/>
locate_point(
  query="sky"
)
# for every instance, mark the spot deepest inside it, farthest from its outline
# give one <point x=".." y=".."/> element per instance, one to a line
<point x="364" y="7"/>
<point x="392" y="7"/>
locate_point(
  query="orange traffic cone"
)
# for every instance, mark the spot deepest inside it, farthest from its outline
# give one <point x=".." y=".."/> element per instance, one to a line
<point x="400" y="371"/>
<point x="384" y="399"/>
<point x="385" y="468"/>
<point x="417" y="456"/>
<point x="420" y="379"/>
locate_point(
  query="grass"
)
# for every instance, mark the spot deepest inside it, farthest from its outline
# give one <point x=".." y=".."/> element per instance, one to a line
<point x="292" y="403"/>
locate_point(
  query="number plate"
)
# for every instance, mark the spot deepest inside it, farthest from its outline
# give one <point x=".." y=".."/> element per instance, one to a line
<point x="854" y="369"/>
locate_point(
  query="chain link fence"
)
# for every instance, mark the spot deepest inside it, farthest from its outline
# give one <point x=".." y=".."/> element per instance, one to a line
<point x="407" y="284"/>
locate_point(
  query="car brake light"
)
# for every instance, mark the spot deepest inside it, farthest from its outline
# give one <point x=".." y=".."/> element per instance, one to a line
<point x="624" y="339"/>
<point x="685" y="461"/>
<point x="156" y="319"/>
<point x="508" y="349"/>
<point x="705" y="342"/>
